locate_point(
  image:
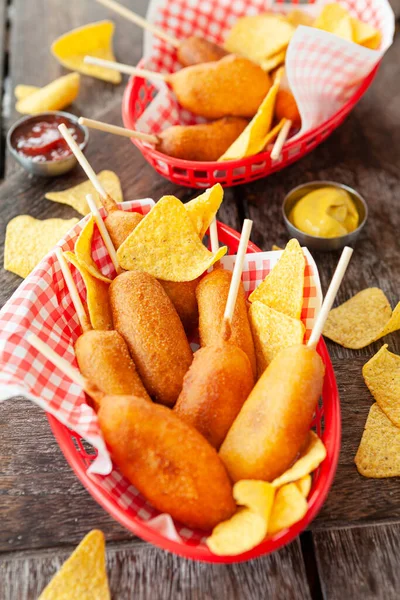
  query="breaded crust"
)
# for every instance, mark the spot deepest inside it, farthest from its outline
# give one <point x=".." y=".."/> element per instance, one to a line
<point x="183" y="296"/>
<point x="120" y="224"/>
<point x="194" y="50"/>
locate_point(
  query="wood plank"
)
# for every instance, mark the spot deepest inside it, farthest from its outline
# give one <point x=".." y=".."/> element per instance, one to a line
<point x="146" y="573"/>
<point x="31" y="61"/>
<point x="3" y="66"/>
<point x="360" y="562"/>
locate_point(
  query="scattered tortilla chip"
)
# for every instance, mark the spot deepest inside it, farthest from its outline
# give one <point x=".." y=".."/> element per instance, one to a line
<point x="83" y="575"/>
<point x="258" y="496"/>
<point x="366" y="35"/>
<point x="55" y="96"/>
<point x="335" y="19"/>
<point x="242" y="532"/>
<point x="202" y="210"/>
<point x="253" y="138"/>
<point x="260" y="36"/>
<point x="282" y="289"/>
<point x="76" y="196"/>
<point x="83" y="251"/>
<point x="289" y="507"/>
<point x="28" y="240"/>
<point x="378" y="455"/>
<point x="166" y="245"/>
<point x="304" y="485"/>
<point x="94" y="39"/>
<point x="97" y="299"/>
<point x="23" y="91"/>
<point x="298" y="17"/>
<point x="310" y="459"/>
<point x="272" y="332"/>
<point x="382" y="376"/>
<point x="363" y="319"/>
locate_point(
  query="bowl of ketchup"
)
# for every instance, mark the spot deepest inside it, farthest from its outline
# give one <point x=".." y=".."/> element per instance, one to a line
<point x="39" y="147"/>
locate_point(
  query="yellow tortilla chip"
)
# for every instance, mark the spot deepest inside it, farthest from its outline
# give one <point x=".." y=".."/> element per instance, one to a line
<point x="260" y="36"/>
<point x="366" y="35"/>
<point x="256" y="495"/>
<point x="97" y="299"/>
<point x="363" y="319"/>
<point x="304" y="485"/>
<point x="83" y="251"/>
<point x="242" y="532"/>
<point x="310" y="459"/>
<point x="289" y="507"/>
<point x="166" y="245"/>
<point x="55" y="96"/>
<point x="94" y="39"/>
<point x="76" y="196"/>
<point x="253" y="138"/>
<point x="28" y="240"/>
<point x="270" y="63"/>
<point x="382" y="376"/>
<point x="282" y="289"/>
<point x="202" y="210"/>
<point x="23" y="91"/>
<point x="276" y="248"/>
<point x="335" y="19"/>
<point x="378" y="455"/>
<point x="83" y="575"/>
<point x="298" y="17"/>
<point x="272" y="332"/>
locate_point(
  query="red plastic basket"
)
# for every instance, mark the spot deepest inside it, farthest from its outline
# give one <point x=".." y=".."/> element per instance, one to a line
<point x="327" y="424"/>
<point x="139" y="92"/>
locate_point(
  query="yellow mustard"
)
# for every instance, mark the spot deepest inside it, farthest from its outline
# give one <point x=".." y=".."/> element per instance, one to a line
<point x="327" y="212"/>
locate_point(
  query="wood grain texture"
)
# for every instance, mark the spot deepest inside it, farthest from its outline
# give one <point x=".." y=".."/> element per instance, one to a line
<point x="139" y="571"/>
<point x="359" y="562"/>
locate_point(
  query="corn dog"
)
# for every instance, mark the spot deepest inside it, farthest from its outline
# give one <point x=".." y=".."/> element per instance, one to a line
<point x="147" y="320"/>
<point x="183" y="296"/>
<point x="195" y="50"/>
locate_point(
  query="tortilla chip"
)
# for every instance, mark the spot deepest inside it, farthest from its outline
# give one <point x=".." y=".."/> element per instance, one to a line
<point x="304" y="485"/>
<point x="83" y="251"/>
<point x="378" y="455"/>
<point x="23" y="91"/>
<point x="166" y="245"/>
<point x="253" y="138"/>
<point x="202" y="210"/>
<point x="366" y="35"/>
<point x="258" y="496"/>
<point x="335" y="19"/>
<point x="382" y="376"/>
<point x="289" y="507"/>
<point x="94" y="39"/>
<point x="363" y="319"/>
<point x="282" y="289"/>
<point x="260" y="36"/>
<point x="310" y="459"/>
<point x="272" y="332"/>
<point x="55" y="96"/>
<point x="76" y="196"/>
<point x="298" y="17"/>
<point x="242" y="532"/>
<point x="276" y="248"/>
<point x="270" y="63"/>
<point x="28" y="240"/>
<point x="97" y="299"/>
<point x="83" y="575"/>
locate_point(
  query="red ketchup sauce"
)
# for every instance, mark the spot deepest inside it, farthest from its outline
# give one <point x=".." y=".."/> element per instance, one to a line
<point x="40" y="140"/>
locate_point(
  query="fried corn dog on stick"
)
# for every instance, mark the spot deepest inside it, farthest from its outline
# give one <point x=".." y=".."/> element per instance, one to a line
<point x="147" y="320"/>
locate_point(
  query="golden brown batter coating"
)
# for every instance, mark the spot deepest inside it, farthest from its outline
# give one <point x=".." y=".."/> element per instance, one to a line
<point x="120" y="224"/>
<point x="195" y="50"/>
<point x="214" y="390"/>
<point x="104" y="360"/>
<point x="147" y="320"/>
<point x="205" y="142"/>
<point x="168" y="461"/>
<point x="212" y="294"/>
<point x="232" y="86"/>
<point x="183" y="296"/>
<point x="273" y="424"/>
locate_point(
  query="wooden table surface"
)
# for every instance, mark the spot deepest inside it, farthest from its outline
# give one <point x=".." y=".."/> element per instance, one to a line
<point x="352" y="549"/>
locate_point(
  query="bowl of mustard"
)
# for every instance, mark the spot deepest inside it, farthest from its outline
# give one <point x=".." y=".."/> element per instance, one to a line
<point x="324" y="215"/>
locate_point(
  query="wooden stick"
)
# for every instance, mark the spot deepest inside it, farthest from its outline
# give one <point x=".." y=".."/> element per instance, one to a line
<point x="76" y="299"/>
<point x="330" y="297"/>
<point x="281" y="140"/>
<point x="214" y="236"/>
<point x="107" y="128"/>
<point x="103" y="232"/>
<point x="59" y="362"/>
<point x="138" y="20"/>
<point x="236" y="278"/>
<point x="127" y="69"/>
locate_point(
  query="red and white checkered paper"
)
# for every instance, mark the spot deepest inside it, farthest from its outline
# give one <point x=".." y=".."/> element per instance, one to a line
<point x="322" y="70"/>
<point x="42" y="305"/>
